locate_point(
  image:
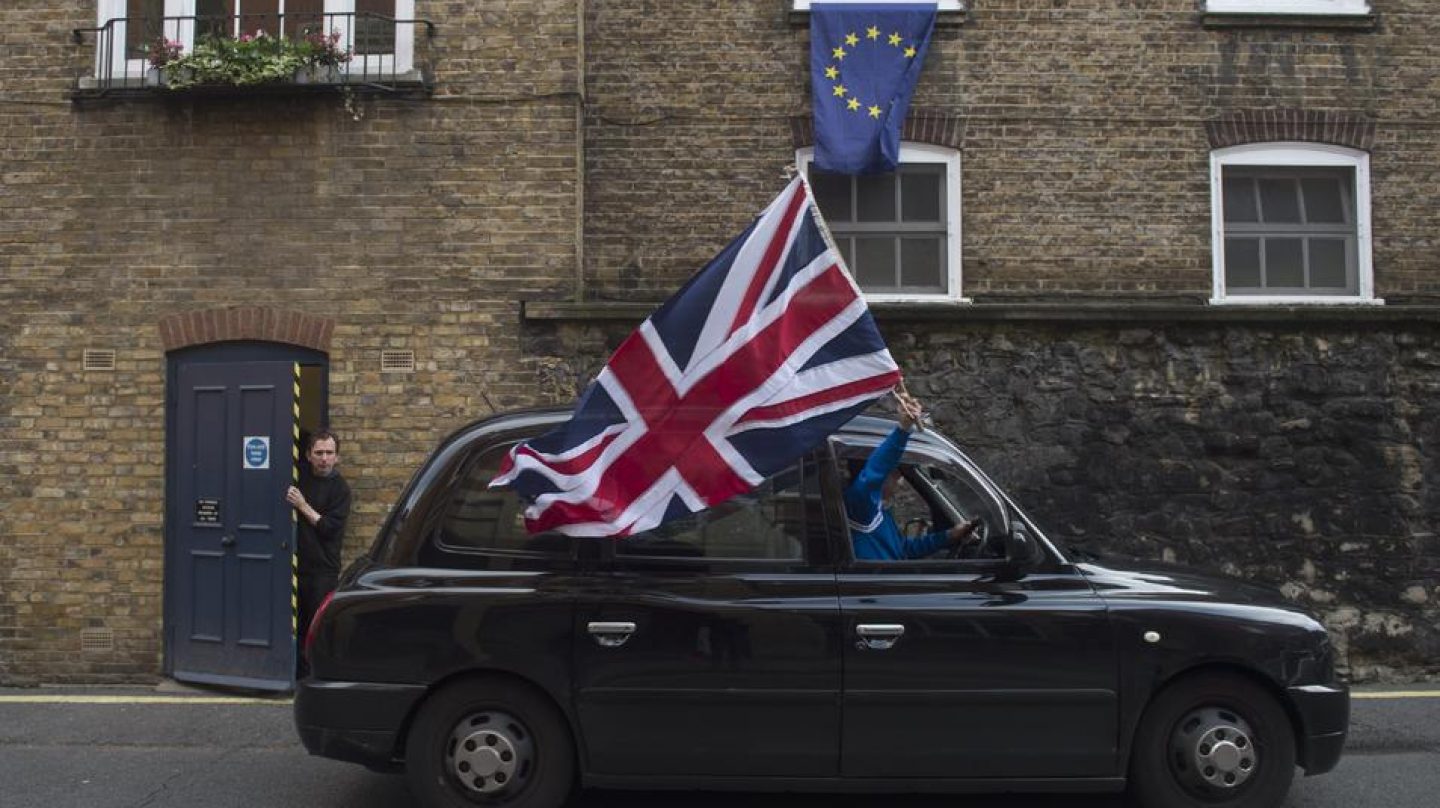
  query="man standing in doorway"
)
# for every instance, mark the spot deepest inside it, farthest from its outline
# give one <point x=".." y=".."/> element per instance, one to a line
<point x="322" y="501"/>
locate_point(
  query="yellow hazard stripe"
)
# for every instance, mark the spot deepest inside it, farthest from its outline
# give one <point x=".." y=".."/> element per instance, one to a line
<point x="294" y="518"/>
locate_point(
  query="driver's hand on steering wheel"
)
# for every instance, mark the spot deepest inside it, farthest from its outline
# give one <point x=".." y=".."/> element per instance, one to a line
<point x="958" y="533"/>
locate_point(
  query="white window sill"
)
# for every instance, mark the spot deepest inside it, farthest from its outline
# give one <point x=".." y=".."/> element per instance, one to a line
<point x="1294" y="300"/>
<point x="927" y="300"/>
<point x="944" y="5"/>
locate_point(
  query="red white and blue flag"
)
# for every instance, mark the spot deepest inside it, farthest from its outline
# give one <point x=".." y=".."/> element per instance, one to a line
<point x="764" y="352"/>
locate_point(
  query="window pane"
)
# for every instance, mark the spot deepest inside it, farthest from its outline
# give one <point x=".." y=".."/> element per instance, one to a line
<point x="1242" y="263"/>
<point x="1284" y="263"/>
<point x="142" y="26"/>
<point x="920" y="264"/>
<point x="304" y="17"/>
<point x="1278" y="200"/>
<point x="1327" y="263"/>
<point x="767" y="523"/>
<point x="1324" y="200"/>
<point x="875" y="198"/>
<point x="482" y="518"/>
<point x="374" y="28"/>
<point x="920" y="196"/>
<point x="1240" y="200"/>
<point x="875" y="262"/>
<point x="260" y="15"/>
<point x="847" y="251"/>
<point x="832" y="194"/>
<point x="214" y="18"/>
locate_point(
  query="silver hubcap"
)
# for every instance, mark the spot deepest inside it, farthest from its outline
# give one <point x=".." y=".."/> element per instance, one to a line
<point x="490" y="753"/>
<point x="1213" y="749"/>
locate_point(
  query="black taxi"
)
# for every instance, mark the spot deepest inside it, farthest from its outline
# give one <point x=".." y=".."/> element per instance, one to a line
<point x="747" y="648"/>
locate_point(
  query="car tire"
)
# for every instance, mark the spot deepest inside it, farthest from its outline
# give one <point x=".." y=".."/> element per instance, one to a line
<point x="1212" y="741"/>
<point x="489" y="742"/>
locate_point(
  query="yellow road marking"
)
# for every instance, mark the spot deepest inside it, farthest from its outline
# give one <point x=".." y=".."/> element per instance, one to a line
<point x="58" y="699"/>
<point x="1398" y="694"/>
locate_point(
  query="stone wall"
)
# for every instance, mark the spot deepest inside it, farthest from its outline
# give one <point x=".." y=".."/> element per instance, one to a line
<point x="1293" y="452"/>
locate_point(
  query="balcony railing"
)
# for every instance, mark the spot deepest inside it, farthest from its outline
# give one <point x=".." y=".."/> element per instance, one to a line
<point x="380" y="54"/>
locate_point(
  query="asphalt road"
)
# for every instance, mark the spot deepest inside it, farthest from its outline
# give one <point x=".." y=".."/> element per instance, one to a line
<point x="60" y="749"/>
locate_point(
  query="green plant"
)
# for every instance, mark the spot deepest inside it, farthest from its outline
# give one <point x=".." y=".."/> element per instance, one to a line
<point x="251" y="59"/>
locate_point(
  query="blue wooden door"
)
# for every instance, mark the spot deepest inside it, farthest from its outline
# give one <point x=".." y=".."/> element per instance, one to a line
<point x="232" y="532"/>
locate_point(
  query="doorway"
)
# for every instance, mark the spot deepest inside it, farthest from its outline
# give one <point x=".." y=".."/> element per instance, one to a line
<point x="234" y="414"/>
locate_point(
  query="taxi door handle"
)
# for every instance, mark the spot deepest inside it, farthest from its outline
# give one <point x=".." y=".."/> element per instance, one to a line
<point x="611" y="634"/>
<point x="878" y="636"/>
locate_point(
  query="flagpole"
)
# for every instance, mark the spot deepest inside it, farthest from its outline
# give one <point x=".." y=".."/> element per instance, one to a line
<point x="824" y="228"/>
<point x="840" y="261"/>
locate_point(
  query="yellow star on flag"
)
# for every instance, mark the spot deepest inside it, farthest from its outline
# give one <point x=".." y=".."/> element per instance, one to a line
<point x="852" y="104"/>
<point x="895" y="40"/>
<point x="910" y="52"/>
<point x="832" y="72"/>
<point x="874" y="112"/>
<point x="872" y="32"/>
<point x="851" y="39"/>
<point x="839" y="53"/>
<point x="840" y="90"/>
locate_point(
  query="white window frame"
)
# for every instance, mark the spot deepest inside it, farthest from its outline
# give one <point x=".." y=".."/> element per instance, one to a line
<point x="943" y="5"/>
<point x="1314" y="7"/>
<point x="400" y="62"/>
<point x="1293" y="155"/>
<point x="925" y="153"/>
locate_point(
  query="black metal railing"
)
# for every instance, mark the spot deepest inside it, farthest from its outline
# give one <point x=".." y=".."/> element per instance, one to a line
<point x="355" y="51"/>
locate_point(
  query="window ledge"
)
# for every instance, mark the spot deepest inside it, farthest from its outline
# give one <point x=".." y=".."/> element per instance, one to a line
<point x="1348" y="22"/>
<point x="951" y="14"/>
<point x="409" y="82"/>
<point x="1083" y="312"/>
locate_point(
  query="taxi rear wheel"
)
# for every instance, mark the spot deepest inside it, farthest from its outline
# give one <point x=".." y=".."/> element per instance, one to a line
<point x="489" y="742"/>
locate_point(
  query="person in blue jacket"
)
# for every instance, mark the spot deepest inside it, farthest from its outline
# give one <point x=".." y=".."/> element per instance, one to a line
<point x="872" y="527"/>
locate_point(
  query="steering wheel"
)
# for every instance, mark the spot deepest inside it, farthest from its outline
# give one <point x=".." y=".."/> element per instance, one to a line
<point x="974" y="544"/>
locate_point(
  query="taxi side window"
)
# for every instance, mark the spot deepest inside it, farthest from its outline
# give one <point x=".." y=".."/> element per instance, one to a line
<point x="489" y="521"/>
<point x="768" y="523"/>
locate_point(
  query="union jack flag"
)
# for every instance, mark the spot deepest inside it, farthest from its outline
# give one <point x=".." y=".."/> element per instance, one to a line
<point x="764" y="352"/>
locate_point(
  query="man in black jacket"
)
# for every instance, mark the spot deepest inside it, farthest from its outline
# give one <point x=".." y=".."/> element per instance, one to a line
<point x="322" y="502"/>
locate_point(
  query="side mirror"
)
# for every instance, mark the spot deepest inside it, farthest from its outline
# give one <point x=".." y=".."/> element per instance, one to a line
<point x="1019" y="547"/>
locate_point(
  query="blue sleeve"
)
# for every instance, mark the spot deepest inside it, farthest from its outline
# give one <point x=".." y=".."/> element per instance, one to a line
<point x="862" y="496"/>
<point x="922" y="546"/>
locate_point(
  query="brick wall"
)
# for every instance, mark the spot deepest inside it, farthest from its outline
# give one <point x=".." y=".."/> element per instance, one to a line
<point x="417" y="224"/>
<point x="423" y="224"/>
<point x="1085" y="147"/>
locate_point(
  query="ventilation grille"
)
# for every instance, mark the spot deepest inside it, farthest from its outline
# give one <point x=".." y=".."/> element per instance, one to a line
<point x="97" y="640"/>
<point x="99" y="359"/>
<point x="397" y="361"/>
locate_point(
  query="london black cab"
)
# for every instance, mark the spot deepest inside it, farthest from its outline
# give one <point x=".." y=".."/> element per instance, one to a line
<point x="748" y="649"/>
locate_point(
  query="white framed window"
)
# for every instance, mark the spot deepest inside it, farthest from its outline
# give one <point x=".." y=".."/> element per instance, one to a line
<point x="899" y="232"/>
<point x="943" y="5"/>
<point x="1320" y="7"/>
<point x="377" y="45"/>
<point x="1290" y="223"/>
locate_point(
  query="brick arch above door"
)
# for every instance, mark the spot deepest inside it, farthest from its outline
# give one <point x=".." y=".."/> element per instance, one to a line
<point x="235" y="323"/>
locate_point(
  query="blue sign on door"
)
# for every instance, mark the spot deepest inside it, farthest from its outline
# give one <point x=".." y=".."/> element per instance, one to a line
<point x="257" y="452"/>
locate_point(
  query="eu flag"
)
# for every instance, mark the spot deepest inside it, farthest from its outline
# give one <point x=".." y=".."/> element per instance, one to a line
<point x="864" y="61"/>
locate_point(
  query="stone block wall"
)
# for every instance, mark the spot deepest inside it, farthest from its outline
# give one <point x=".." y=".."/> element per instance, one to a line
<point x="1292" y="453"/>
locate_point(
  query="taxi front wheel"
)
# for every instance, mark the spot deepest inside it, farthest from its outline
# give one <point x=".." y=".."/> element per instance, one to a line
<point x="489" y="742"/>
<point x="1212" y="741"/>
